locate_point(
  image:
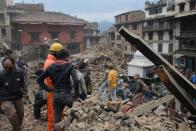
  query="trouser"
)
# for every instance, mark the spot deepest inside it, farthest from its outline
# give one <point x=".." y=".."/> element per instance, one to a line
<point x="50" y="111"/>
<point x="61" y="99"/>
<point x="15" y="112"/>
<point x="121" y="93"/>
<point x="39" y="102"/>
<point x="102" y="88"/>
<point x="112" y="94"/>
<point x="138" y="99"/>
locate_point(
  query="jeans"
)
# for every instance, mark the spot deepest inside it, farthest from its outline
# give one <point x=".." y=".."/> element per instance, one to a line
<point x="15" y="112"/>
<point x="61" y="99"/>
<point x="112" y="94"/>
<point x="39" y="102"/>
<point x="121" y="93"/>
<point x="102" y="88"/>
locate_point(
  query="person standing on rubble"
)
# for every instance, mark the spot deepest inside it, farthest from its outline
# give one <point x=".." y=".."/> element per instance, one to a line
<point x="86" y="73"/>
<point x="82" y="84"/>
<point x="104" y="83"/>
<point x="12" y="88"/>
<point x="60" y="73"/>
<point x="138" y="93"/>
<point x="40" y="97"/>
<point x="54" y="48"/>
<point x="112" y="82"/>
<point x="120" y="91"/>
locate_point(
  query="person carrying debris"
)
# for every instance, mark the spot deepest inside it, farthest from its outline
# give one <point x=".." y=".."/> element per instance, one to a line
<point x="112" y="82"/>
<point x="60" y="73"/>
<point x="120" y="91"/>
<point x="138" y="93"/>
<point x="104" y="83"/>
<point x="82" y="84"/>
<point x="12" y="89"/>
<point x="86" y="73"/>
<point x="54" y="48"/>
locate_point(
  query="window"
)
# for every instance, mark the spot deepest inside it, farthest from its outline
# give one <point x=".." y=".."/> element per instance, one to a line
<point x="126" y="48"/>
<point x="118" y="37"/>
<point x="170" y="47"/>
<point x="34" y="37"/>
<point x="72" y="35"/>
<point x="155" y="11"/>
<point x="149" y="23"/>
<point x="160" y="47"/>
<point x="54" y="35"/>
<point x="171" y="35"/>
<point x="192" y="5"/>
<point x="126" y="17"/>
<point x="112" y="36"/>
<point x="160" y="35"/>
<point x="134" y="26"/>
<point x="150" y="35"/>
<point x="181" y="7"/>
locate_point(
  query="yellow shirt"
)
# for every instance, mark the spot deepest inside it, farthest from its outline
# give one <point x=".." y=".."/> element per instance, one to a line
<point x="112" y="78"/>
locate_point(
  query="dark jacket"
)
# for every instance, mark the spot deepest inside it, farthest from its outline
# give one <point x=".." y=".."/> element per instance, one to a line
<point x="12" y="85"/>
<point x="60" y="73"/>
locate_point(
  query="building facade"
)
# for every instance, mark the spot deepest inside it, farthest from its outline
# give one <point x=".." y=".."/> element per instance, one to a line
<point x="27" y="26"/>
<point x="91" y="34"/>
<point x="133" y="21"/>
<point x="185" y="18"/>
<point x="159" y="27"/>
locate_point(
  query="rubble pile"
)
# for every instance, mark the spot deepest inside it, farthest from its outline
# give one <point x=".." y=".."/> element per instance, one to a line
<point x="94" y="115"/>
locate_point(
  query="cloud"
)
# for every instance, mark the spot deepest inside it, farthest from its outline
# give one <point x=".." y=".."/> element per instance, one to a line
<point x="92" y="10"/>
<point x="98" y="16"/>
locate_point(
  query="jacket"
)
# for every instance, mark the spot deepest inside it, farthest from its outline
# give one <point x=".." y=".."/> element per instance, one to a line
<point x="60" y="73"/>
<point x="12" y="85"/>
<point x="82" y="85"/>
<point x="112" y="78"/>
<point x="49" y="61"/>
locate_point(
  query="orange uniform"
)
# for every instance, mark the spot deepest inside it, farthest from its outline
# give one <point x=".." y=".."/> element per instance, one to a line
<point x="50" y="60"/>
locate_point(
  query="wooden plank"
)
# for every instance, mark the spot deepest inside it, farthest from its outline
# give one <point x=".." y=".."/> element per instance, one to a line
<point x="181" y="85"/>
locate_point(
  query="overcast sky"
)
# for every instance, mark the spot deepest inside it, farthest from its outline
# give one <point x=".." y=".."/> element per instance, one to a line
<point x="91" y="10"/>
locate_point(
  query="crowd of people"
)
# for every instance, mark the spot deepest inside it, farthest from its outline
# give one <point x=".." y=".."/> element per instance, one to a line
<point x="61" y="83"/>
<point x="56" y="78"/>
<point x="115" y="86"/>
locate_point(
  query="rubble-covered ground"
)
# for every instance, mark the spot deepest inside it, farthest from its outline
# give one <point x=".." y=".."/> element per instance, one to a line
<point x="95" y="115"/>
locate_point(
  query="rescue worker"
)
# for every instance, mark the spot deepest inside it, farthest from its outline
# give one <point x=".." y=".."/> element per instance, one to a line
<point x="112" y="82"/>
<point x="12" y="88"/>
<point x="60" y="73"/>
<point x="54" y="48"/>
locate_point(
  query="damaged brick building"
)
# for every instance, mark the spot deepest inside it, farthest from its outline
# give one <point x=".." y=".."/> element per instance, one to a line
<point x="29" y="26"/>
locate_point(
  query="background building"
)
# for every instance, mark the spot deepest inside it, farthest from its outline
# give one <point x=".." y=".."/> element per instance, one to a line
<point x="91" y="34"/>
<point x="26" y="27"/>
<point x="159" y="27"/>
<point x="185" y="50"/>
<point x="133" y="21"/>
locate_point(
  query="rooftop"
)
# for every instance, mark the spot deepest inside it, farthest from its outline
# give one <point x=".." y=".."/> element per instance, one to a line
<point x="47" y="17"/>
<point x="130" y="12"/>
